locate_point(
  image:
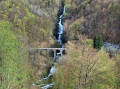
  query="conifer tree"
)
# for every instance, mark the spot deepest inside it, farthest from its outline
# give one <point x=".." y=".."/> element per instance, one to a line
<point x="99" y="42"/>
<point x="95" y="42"/>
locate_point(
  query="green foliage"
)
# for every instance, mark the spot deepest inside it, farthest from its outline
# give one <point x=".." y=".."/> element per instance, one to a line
<point x="68" y="8"/>
<point x="25" y="21"/>
<point x="98" y="15"/>
<point x="85" y="2"/>
<point x="56" y="45"/>
<point x="104" y="31"/>
<point x="96" y="7"/>
<point x="85" y="68"/>
<point x="74" y="30"/>
<point x="97" y="42"/>
<point x="75" y="27"/>
<point x="89" y="42"/>
<point x="43" y="34"/>
<point x="16" y="17"/>
<point x="13" y="59"/>
<point x="49" y="2"/>
<point x="104" y="24"/>
<point x="104" y="78"/>
<point x="100" y="44"/>
<point x="117" y="69"/>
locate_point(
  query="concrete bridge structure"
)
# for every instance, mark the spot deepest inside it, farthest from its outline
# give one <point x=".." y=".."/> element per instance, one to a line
<point x="39" y="50"/>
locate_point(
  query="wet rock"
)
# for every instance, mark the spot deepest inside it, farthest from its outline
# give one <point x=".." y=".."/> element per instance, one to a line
<point x="64" y="37"/>
<point x="111" y="48"/>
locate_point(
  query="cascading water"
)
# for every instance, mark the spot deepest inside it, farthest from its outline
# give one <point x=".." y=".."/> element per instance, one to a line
<point x="52" y="70"/>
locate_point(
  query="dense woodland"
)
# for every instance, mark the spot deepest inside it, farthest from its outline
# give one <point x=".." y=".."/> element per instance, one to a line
<point x="26" y="24"/>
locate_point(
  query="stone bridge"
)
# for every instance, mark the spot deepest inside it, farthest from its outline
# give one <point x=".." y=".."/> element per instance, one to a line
<point x="36" y="50"/>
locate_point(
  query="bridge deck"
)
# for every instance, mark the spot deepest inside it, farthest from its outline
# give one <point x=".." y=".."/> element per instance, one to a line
<point x="50" y="48"/>
<point x="33" y="50"/>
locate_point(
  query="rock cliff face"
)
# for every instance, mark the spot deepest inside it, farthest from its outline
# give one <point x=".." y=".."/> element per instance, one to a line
<point x="92" y="17"/>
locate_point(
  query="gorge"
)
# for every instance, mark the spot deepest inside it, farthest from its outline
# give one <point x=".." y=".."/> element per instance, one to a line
<point x="49" y="44"/>
<point x="59" y="39"/>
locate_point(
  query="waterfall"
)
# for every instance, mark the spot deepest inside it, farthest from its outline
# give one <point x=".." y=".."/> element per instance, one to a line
<point x="60" y="29"/>
<point x="52" y="70"/>
<point x="59" y="39"/>
<point x="64" y="11"/>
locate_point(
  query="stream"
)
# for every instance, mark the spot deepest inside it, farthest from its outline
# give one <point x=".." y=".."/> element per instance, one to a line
<point x="59" y="39"/>
<point x="108" y="46"/>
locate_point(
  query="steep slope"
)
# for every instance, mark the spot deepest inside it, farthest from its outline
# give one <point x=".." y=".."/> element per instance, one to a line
<point x="32" y="26"/>
<point x="92" y="17"/>
<point x="36" y="18"/>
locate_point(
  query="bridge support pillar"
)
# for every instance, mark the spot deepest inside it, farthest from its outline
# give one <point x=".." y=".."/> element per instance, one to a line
<point x="40" y="52"/>
<point x="54" y="54"/>
<point x="48" y="53"/>
<point x="61" y="51"/>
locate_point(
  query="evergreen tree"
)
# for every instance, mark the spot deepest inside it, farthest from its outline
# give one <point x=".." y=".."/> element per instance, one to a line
<point x="95" y="41"/>
<point x="99" y="42"/>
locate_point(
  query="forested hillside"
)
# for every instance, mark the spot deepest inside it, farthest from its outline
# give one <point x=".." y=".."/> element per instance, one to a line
<point x="86" y="63"/>
<point x="21" y="28"/>
<point x="92" y="17"/>
<point x="34" y="18"/>
<point x="85" y="67"/>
